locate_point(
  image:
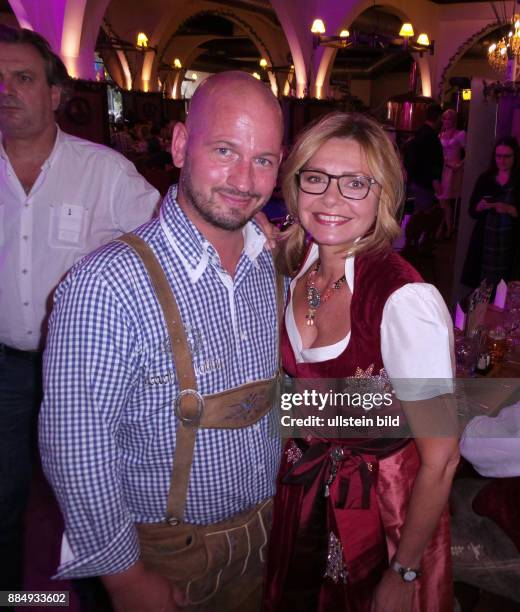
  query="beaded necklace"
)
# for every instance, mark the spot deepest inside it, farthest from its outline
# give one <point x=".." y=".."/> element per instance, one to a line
<point x="314" y="298"/>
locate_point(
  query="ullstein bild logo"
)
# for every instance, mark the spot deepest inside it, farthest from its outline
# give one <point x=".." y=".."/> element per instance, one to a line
<point x="340" y="421"/>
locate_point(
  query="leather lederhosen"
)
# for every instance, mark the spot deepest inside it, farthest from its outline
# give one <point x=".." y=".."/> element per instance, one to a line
<point x="216" y="566"/>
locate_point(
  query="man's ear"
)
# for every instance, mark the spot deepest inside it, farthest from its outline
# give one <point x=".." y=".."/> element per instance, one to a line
<point x="55" y="97"/>
<point x="179" y="144"/>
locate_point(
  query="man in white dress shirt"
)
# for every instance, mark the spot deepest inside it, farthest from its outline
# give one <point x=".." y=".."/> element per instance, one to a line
<point x="60" y="198"/>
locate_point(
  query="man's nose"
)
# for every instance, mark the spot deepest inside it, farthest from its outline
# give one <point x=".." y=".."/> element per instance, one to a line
<point x="241" y="176"/>
<point x="6" y="86"/>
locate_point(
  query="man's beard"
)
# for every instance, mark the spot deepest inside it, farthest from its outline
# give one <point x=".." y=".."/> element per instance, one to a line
<point x="231" y="219"/>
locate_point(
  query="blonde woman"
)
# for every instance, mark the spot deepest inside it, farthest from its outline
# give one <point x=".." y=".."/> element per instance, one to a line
<point x="359" y="524"/>
<point x="453" y="144"/>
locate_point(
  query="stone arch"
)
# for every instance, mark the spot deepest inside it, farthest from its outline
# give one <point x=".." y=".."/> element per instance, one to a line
<point x="21" y="14"/>
<point x="190" y="53"/>
<point x="461" y="50"/>
<point x="150" y="66"/>
<point x="70" y="26"/>
<point x="401" y="9"/>
<point x="116" y="61"/>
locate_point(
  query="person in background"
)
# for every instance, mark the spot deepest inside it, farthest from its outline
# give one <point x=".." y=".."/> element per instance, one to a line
<point x="494" y="247"/>
<point x="453" y="143"/>
<point x="157" y="156"/>
<point x="155" y="429"/>
<point x="424" y="161"/>
<point x="355" y="524"/>
<point x="492" y="444"/>
<point x="61" y="197"/>
<point x="121" y="140"/>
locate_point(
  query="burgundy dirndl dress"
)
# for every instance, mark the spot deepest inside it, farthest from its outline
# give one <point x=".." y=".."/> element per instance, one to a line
<point x="353" y="533"/>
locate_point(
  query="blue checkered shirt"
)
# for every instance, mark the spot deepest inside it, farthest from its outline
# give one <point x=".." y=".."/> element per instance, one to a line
<point x="107" y="427"/>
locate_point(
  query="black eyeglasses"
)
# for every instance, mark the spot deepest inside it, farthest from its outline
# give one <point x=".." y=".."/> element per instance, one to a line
<point x="350" y="186"/>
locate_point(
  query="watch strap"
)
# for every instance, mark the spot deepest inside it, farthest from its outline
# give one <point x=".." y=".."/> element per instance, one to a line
<point x="408" y="574"/>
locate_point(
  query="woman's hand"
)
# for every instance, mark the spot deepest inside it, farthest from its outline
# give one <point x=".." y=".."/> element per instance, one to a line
<point x="505" y="209"/>
<point x="271" y="232"/>
<point x="483" y="205"/>
<point x="393" y="594"/>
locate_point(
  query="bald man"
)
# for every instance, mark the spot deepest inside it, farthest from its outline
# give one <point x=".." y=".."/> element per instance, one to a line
<point x="160" y="371"/>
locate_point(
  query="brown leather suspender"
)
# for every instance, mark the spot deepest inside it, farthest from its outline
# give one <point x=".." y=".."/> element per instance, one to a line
<point x="231" y="409"/>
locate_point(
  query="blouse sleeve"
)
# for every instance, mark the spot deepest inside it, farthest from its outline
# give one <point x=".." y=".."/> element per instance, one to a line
<point x="417" y="342"/>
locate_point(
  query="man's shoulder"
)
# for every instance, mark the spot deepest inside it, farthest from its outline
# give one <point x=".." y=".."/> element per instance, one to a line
<point x="93" y="151"/>
<point x="116" y="261"/>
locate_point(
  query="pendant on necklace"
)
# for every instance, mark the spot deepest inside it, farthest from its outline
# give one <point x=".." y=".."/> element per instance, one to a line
<point x="315" y="298"/>
<point x="313" y="301"/>
<point x="310" y="317"/>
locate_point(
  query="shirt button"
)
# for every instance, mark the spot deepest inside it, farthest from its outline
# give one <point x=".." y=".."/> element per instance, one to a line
<point x="26" y="303"/>
<point x="29" y="333"/>
<point x="25" y="237"/>
<point x="243" y="336"/>
<point x="24" y="271"/>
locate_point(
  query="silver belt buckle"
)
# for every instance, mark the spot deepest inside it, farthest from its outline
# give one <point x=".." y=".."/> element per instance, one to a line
<point x="200" y="407"/>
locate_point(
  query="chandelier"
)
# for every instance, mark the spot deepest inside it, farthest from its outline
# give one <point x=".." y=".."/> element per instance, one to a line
<point x="506" y="49"/>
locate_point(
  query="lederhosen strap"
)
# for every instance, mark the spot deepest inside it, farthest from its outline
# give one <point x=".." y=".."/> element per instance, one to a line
<point x="232" y="409"/>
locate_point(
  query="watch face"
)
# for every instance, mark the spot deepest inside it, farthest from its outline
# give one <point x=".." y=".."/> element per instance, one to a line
<point x="409" y="575"/>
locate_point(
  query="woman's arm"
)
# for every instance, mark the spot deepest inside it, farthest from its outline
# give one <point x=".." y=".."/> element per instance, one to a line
<point x="430" y="493"/>
<point x="439" y="459"/>
<point x="417" y="350"/>
<point x="504" y="208"/>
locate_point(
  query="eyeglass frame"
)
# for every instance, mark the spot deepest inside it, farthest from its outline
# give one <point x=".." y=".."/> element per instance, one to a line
<point x="371" y="181"/>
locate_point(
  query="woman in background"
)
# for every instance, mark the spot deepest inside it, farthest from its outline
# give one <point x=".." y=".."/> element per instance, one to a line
<point x="453" y="143"/>
<point x="356" y="526"/>
<point x="494" y="247"/>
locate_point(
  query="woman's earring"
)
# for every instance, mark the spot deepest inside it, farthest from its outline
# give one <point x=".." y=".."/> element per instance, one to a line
<point x="287" y="222"/>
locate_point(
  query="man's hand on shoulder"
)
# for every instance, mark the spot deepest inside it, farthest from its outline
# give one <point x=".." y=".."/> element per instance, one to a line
<point x="138" y="590"/>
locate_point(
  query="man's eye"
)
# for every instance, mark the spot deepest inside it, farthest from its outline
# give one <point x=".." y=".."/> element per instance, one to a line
<point x="25" y="78"/>
<point x="263" y="161"/>
<point x="223" y="151"/>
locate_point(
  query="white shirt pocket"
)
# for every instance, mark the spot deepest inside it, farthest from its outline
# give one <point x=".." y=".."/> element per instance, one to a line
<point x="68" y="225"/>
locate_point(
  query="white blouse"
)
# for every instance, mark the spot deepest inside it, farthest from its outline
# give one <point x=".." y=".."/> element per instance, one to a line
<point x="452" y="146"/>
<point x="416" y="337"/>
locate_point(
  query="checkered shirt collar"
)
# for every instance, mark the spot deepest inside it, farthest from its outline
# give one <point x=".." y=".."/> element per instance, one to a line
<point x="193" y="249"/>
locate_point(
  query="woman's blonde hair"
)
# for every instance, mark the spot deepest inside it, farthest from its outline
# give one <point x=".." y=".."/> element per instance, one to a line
<point x="384" y="166"/>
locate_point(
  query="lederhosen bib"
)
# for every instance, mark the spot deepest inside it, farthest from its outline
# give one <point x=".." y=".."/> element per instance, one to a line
<point x="204" y="560"/>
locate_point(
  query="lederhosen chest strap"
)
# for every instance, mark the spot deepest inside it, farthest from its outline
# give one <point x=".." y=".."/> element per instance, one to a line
<point x="232" y="409"/>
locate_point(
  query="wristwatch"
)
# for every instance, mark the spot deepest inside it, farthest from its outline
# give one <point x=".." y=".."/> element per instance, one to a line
<point x="408" y="574"/>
